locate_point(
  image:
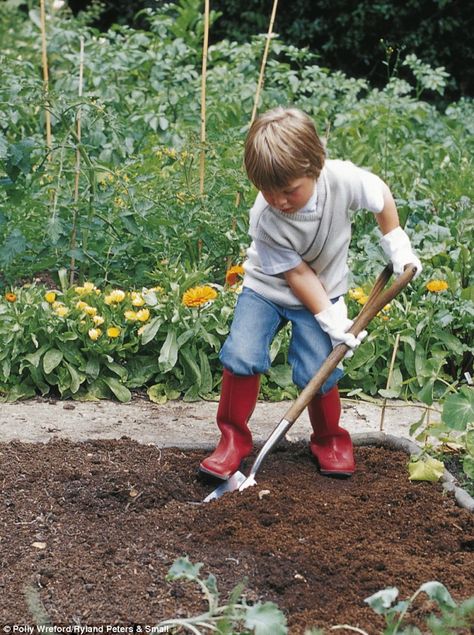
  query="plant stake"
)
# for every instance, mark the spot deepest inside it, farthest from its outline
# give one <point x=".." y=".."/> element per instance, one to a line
<point x="77" y="167"/>
<point x="202" y="156"/>
<point x="44" y="61"/>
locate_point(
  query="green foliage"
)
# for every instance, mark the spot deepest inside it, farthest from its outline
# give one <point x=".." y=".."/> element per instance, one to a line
<point x="138" y="218"/>
<point x="452" y="615"/>
<point x="352" y="36"/>
<point x="260" y="618"/>
<point x="92" y="344"/>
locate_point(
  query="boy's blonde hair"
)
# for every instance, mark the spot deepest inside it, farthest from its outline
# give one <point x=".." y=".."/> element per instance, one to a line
<point x="282" y="145"/>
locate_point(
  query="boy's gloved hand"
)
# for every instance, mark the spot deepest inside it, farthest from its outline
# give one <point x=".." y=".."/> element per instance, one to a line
<point x="397" y="248"/>
<point x="335" y="323"/>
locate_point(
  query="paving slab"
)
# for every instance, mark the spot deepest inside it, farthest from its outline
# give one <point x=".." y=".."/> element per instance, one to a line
<point x="178" y="423"/>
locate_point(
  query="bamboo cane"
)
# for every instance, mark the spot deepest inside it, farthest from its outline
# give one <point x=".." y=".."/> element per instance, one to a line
<point x="202" y="156"/>
<point x="44" y="61"/>
<point x="261" y="74"/>
<point x="77" y="171"/>
<point x="389" y="379"/>
<point x="264" y="62"/>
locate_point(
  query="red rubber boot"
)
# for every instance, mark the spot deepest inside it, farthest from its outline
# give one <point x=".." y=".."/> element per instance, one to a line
<point x="330" y="444"/>
<point x="238" y="399"/>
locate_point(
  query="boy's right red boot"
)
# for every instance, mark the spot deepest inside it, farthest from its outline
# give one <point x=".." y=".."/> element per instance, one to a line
<point x="239" y="396"/>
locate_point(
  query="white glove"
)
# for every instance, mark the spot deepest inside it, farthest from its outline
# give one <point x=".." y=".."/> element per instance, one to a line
<point x="397" y="248"/>
<point x="335" y="323"/>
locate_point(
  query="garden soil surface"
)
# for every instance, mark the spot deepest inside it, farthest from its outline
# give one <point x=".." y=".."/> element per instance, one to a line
<point x="91" y="529"/>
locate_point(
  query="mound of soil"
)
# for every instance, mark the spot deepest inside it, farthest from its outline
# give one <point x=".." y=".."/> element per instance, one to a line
<point x="94" y="527"/>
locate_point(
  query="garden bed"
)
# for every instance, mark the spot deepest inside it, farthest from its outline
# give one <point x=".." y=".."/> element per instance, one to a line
<point x="95" y="526"/>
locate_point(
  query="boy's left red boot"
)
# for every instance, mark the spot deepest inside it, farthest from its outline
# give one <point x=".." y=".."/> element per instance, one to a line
<point x="330" y="444"/>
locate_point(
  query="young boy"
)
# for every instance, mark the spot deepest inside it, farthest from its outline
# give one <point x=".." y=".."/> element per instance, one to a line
<point x="296" y="271"/>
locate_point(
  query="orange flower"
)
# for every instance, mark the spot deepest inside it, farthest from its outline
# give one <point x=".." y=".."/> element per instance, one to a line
<point x="10" y="297"/>
<point x="437" y="286"/>
<point x="197" y="296"/>
<point x="233" y="273"/>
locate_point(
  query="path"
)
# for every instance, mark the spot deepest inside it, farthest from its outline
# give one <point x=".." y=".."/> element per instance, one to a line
<point x="176" y="423"/>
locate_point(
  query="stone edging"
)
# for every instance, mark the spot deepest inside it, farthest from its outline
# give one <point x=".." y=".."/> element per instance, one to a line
<point x="389" y="441"/>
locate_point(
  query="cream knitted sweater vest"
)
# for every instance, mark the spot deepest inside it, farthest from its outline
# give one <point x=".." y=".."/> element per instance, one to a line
<point x="321" y="237"/>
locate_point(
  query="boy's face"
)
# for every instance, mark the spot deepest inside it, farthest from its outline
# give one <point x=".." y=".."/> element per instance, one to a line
<point x="293" y="197"/>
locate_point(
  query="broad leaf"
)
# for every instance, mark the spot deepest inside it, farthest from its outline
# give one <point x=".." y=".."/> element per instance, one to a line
<point x="120" y="391"/>
<point x="458" y="410"/>
<point x="428" y="469"/>
<point x="51" y="360"/>
<point x="266" y="619"/>
<point x="438" y="592"/>
<point x="169" y="352"/>
<point x="184" y="568"/>
<point x="151" y="329"/>
<point x="381" y="601"/>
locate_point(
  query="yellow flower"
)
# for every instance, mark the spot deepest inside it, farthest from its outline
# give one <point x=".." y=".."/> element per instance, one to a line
<point x="50" y="297"/>
<point x="98" y="320"/>
<point x="113" y="331"/>
<point x="197" y="296"/>
<point x="89" y="287"/>
<point x="157" y="289"/>
<point x="233" y="273"/>
<point x="57" y="304"/>
<point x="356" y="293"/>
<point x="62" y="311"/>
<point x="143" y="315"/>
<point x="137" y="299"/>
<point x="90" y="310"/>
<point x="437" y="286"/>
<point x="94" y="334"/>
<point x="115" y="296"/>
<point x="131" y="316"/>
<point x="10" y="297"/>
<point x="80" y="290"/>
<point x="81" y="305"/>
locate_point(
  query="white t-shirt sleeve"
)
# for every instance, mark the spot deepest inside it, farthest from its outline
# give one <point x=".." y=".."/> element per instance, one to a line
<point x="367" y="190"/>
<point x="275" y="259"/>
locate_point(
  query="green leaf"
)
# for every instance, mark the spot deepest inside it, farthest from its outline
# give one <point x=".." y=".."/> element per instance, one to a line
<point x="426" y="393"/>
<point x="51" y="360"/>
<point x="20" y="391"/>
<point x="192" y="370"/>
<point x="157" y="393"/>
<point x="93" y="367"/>
<point x="35" y="358"/>
<point x="458" y="410"/>
<point x="76" y="379"/>
<point x="266" y="619"/>
<point x="438" y="592"/>
<point x="169" y="352"/>
<point x="468" y="466"/>
<point x="117" y="369"/>
<point x="211" y="585"/>
<point x="184" y="568"/>
<point x="206" y="374"/>
<point x="120" y="391"/>
<point x="381" y="601"/>
<point x="281" y="374"/>
<point x="363" y="355"/>
<point x="469" y="442"/>
<point x="427" y="469"/>
<point x="151" y="329"/>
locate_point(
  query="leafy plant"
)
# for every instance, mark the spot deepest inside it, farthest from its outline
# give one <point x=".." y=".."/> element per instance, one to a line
<point x="259" y="618"/>
<point x="452" y="616"/>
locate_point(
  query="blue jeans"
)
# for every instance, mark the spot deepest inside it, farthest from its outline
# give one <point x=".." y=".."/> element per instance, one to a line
<point x="257" y="320"/>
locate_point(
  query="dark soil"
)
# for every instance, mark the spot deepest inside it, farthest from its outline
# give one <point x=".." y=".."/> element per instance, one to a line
<point x="114" y="516"/>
